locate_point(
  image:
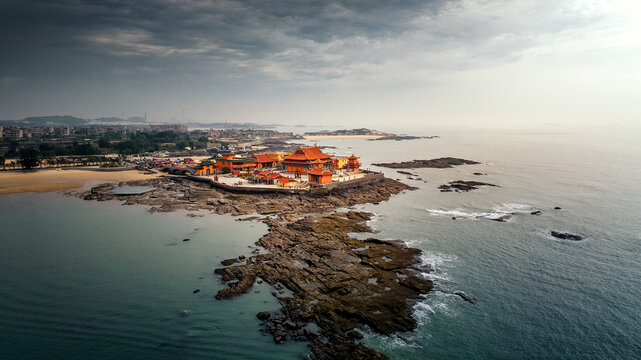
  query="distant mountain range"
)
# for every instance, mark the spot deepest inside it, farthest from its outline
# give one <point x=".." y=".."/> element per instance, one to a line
<point x="68" y="120"/>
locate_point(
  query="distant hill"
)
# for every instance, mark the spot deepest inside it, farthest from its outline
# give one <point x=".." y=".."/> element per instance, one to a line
<point x="228" y="125"/>
<point x="56" y="120"/>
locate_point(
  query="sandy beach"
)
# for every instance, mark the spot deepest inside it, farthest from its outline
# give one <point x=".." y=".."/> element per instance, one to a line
<point x="312" y="137"/>
<point x="55" y="180"/>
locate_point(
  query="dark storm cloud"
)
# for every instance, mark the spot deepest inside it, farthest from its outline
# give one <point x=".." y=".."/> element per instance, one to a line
<point x="158" y="28"/>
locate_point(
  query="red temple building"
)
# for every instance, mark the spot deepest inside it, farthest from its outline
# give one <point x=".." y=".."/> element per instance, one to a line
<point x="264" y="160"/>
<point x="319" y="176"/>
<point x="305" y="159"/>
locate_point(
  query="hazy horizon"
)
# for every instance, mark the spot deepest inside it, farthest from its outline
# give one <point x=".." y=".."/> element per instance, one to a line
<point x="467" y="63"/>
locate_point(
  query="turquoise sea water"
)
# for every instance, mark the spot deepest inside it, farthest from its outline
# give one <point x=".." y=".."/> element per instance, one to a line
<point x="104" y="281"/>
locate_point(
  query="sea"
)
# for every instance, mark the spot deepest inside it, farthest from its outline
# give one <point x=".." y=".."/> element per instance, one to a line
<point x="99" y="280"/>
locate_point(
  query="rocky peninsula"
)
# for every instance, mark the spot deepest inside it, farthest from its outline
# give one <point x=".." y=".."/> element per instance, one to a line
<point x="338" y="283"/>
<point x="440" y="163"/>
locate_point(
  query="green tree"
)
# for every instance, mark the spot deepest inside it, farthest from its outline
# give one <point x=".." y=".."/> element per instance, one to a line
<point x="103" y="142"/>
<point x="28" y="157"/>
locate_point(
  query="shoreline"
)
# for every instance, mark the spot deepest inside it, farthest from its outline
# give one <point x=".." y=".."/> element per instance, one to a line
<point x="46" y="180"/>
<point x="316" y="137"/>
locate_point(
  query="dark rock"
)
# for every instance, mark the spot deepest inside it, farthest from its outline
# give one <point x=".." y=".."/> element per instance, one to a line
<point x="503" y="218"/>
<point x="322" y="290"/>
<point x="354" y="335"/>
<point x="441" y="163"/>
<point x="186" y="239"/>
<point x="263" y="315"/>
<point x="557" y="208"/>
<point x="196" y="291"/>
<point x="478" y="174"/>
<point x="241" y="257"/>
<point x="229" y="262"/>
<point x="465" y="297"/>
<point x="566" y="236"/>
<point x="462" y="185"/>
<point x="537" y="212"/>
<point x="453" y="217"/>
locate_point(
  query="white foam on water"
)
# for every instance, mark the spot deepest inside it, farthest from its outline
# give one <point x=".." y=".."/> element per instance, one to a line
<point x="497" y="212"/>
<point x="435" y="303"/>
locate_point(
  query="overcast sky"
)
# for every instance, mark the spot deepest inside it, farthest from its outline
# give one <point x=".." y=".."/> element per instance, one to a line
<point x="481" y="63"/>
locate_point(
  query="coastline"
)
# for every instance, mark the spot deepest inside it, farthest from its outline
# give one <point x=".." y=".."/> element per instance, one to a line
<point x="54" y="180"/>
<point x="316" y="137"/>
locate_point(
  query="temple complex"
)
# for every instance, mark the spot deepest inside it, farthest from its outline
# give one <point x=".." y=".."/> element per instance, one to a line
<point x="307" y="167"/>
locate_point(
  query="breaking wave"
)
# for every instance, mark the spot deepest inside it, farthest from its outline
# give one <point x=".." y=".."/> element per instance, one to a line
<point x="502" y="212"/>
<point x="438" y="302"/>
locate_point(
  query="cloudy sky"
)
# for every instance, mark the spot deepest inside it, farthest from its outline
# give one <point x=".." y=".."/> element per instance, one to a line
<point x="482" y="63"/>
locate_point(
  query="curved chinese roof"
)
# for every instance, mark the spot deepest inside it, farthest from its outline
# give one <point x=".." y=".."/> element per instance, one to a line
<point x="307" y="154"/>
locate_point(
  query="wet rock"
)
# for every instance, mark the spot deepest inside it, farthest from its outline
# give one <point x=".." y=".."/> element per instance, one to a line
<point x="566" y="236"/>
<point x="322" y="290"/>
<point x="196" y="291"/>
<point x="228" y="262"/>
<point x="537" y="212"/>
<point x="503" y="218"/>
<point x="557" y="208"/>
<point x="186" y="239"/>
<point x="465" y="297"/>
<point x="354" y="335"/>
<point x="263" y="315"/>
<point x="441" y="163"/>
<point x="462" y="185"/>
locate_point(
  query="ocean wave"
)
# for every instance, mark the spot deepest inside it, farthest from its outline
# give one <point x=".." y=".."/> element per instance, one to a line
<point x="437" y="302"/>
<point x="501" y="212"/>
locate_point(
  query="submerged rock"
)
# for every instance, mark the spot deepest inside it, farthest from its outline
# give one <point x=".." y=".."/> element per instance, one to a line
<point x="537" y="212"/>
<point x="465" y="297"/>
<point x="566" y="236"/>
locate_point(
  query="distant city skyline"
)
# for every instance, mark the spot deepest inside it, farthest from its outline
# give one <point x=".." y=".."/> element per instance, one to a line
<point x="467" y="63"/>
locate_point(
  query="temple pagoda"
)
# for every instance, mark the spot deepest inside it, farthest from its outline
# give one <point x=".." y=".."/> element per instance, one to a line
<point x="306" y="159"/>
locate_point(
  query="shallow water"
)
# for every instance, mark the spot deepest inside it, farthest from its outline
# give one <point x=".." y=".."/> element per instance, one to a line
<point x="100" y="280"/>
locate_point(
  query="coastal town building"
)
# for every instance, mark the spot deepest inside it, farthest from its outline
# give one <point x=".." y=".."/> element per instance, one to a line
<point x="12" y="133"/>
<point x="231" y="163"/>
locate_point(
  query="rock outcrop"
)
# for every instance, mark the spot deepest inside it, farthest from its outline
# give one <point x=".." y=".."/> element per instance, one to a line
<point x="337" y="282"/>
<point x="566" y="236"/>
<point x="462" y="185"/>
<point x="441" y="163"/>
